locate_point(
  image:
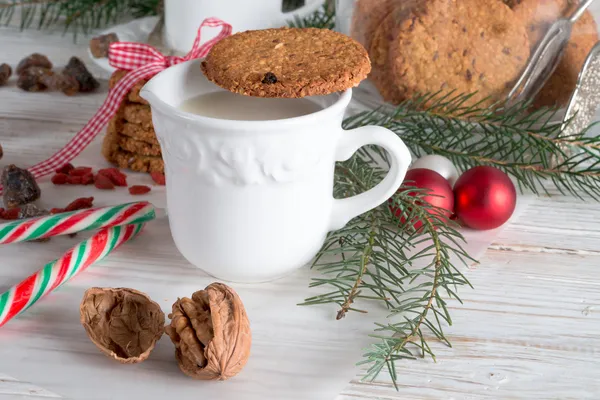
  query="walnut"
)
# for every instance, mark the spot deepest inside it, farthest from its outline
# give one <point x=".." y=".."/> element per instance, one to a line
<point x="123" y="323"/>
<point x="211" y="333"/>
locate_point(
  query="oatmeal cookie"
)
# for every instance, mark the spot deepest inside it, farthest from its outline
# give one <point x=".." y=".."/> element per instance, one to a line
<point x="138" y="114"/>
<point x="379" y="51"/>
<point x="538" y="15"/>
<point x="466" y="46"/>
<point x="134" y="93"/>
<point x="367" y="16"/>
<point x="137" y="132"/>
<point x="287" y="62"/>
<point x="138" y="147"/>
<point x="138" y="163"/>
<point x="114" y="154"/>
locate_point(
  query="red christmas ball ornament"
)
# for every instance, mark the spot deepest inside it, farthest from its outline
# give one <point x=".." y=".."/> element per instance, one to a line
<point x="439" y="194"/>
<point x="484" y="198"/>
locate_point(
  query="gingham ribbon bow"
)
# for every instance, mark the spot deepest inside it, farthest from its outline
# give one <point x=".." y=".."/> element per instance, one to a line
<point x="142" y="61"/>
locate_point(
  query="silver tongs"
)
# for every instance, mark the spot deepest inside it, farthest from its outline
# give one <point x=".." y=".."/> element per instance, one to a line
<point x="546" y="57"/>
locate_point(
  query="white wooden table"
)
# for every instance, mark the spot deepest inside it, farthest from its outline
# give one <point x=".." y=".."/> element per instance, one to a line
<point x="529" y="330"/>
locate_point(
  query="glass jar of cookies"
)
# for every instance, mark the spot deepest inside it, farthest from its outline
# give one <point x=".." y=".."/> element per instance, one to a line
<point x="479" y="47"/>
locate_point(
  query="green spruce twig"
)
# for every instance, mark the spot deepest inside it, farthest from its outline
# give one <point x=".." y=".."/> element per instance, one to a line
<point x="524" y="145"/>
<point x="323" y="19"/>
<point x="406" y="267"/>
<point x="381" y="257"/>
<point x="77" y="16"/>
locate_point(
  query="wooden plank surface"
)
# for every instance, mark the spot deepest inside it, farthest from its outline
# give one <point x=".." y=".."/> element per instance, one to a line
<point x="529" y="330"/>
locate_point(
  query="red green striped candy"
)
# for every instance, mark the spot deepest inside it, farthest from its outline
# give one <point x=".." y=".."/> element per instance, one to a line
<point x="76" y="221"/>
<point x="23" y="295"/>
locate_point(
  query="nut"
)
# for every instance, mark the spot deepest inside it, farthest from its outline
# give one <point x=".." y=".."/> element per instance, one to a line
<point x="211" y="333"/>
<point x="123" y="323"/>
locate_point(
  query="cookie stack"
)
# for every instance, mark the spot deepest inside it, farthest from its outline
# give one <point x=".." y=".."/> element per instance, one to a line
<point x="130" y="141"/>
<point x="422" y="47"/>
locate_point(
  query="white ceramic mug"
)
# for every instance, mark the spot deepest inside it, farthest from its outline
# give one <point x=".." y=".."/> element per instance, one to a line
<point x="183" y="17"/>
<point x="251" y="201"/>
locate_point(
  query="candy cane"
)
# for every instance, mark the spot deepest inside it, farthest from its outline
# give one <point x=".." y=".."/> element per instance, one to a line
<point x="23" y="295"/>
<point x="76" y="221"/>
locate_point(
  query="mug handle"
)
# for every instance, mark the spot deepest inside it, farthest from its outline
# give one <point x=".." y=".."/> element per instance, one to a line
<point x="305" y="10"/>
<point x="346" y="209"/>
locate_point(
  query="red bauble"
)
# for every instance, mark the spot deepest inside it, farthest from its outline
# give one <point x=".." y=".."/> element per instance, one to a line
<point x="484" y="198"/>
<point x="440" y="192"/>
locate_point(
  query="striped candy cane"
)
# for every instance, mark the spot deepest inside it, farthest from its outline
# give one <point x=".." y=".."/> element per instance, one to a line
<point x="76" y="221"/>
<point x="23" y="295"/>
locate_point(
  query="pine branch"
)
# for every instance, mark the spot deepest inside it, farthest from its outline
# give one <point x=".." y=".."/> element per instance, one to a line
<point x="528" y="146"/>
<point x="78" y="16"/>
<point x="377" y="258"/>
<point x="413" y="272"/>
<point x="322" y="19"/>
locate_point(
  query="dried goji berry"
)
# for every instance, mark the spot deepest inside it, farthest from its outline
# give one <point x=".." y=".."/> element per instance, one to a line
<point x="80" y="204"/>
<point x="139" y="189"/>
<point x="12" y="213"/>
<point x="87" y="179"/>
<point x="158" y="178"/>
<point x="106" y="171"/>
<point x="115" y="175"/>
<point x="60" y="179"/>
<point x="57" y="210"/>
<point x="103" y="182"/>
<point x="80" y="171"/>
<point x="74" y="180"/>
<point x="65" y="169"/>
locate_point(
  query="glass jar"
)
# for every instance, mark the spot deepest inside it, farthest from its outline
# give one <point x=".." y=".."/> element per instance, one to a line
<point x="476" y="47"/>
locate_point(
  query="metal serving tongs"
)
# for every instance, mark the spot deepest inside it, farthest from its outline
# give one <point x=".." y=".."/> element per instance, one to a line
<point x="546" y="57"/>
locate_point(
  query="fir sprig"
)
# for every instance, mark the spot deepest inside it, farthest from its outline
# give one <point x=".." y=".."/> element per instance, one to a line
<point x="380" y="256"/>
<point x="78" y="16"/>
<point x="386" y="256"/>
<point x="323" y="19"/>
<point x="529" y="146"/>
<point x="83" y="16"/>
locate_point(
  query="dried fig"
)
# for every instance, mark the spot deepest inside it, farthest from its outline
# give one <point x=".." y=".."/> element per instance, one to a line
<point x="211" y="333"/>
<point x="19" y="185"/>
<point x="123" y="323"/>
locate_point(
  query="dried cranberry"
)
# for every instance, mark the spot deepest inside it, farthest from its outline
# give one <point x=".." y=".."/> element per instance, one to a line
<point x="11" y="214"/>
<point x="139" y="189"/>
<point x="87" y="179"/>
<point x="65" y="169"/>
<point x="80" y="171"/>
<point x="60" y="179"/>
<point x="158" y="178"/>
<point x="103" y="182"/>
<point x="74" y="180"/>
<point x="80" y="204"/>
<point x="115" y="175"/>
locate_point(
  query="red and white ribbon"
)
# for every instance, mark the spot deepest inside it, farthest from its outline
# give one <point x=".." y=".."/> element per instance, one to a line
<point x="142" y="61"/>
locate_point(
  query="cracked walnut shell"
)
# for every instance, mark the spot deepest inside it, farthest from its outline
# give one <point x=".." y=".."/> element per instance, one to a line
<point x="123" y="323"/>
<point x="211" y="333"/>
